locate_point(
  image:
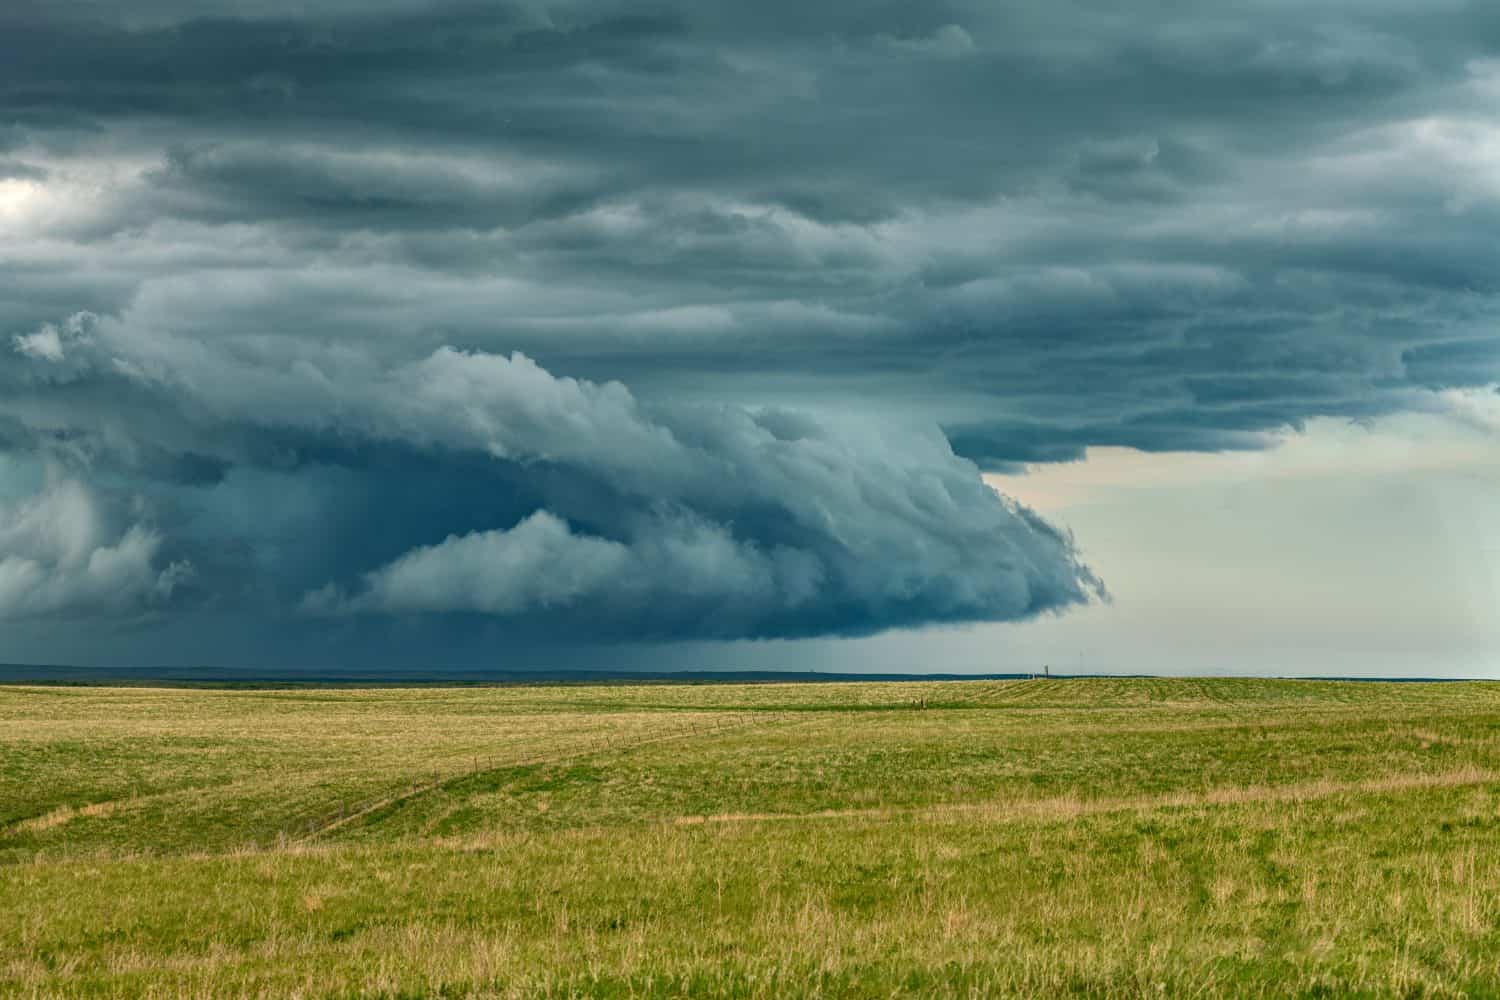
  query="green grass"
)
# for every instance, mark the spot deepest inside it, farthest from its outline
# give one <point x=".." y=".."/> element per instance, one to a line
<point x="1136" y="837"/>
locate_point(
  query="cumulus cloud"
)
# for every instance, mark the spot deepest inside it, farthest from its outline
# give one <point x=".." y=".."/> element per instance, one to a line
<point x="51" y="342"/>
<point x="678" y="576"/>
<point x="59" y="557"/>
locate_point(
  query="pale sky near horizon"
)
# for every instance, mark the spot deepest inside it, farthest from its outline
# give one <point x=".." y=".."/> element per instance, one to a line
<point x="1348" y="549"/>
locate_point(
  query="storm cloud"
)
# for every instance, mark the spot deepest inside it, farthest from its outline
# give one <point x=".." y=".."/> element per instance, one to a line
<point x="702" y="320"/>
<point x="701" y="521"/>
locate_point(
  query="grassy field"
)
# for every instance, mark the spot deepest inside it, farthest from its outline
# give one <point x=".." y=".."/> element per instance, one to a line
<point x="1091" y="837"/>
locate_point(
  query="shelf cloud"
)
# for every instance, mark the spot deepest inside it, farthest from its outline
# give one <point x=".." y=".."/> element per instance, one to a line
<point x="665" y="521"/>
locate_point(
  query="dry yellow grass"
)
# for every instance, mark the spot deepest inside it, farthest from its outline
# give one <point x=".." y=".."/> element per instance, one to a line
<point x="1108" y="839"/>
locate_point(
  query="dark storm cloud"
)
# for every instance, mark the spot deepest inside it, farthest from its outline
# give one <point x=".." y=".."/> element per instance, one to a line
<point x="696" y="522"/>
<point x="1039" y="227"/>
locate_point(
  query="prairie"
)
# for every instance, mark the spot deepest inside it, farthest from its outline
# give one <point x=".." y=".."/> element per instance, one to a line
<point x="1092" y="837"/>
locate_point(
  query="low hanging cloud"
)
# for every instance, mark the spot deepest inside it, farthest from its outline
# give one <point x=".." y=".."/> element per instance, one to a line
<point x="59" y="557"/>
<point x="52" y="341"/>
<point x="645" y="522"/>
<point x="679" y="571"/>
<point x="747" y="525"/>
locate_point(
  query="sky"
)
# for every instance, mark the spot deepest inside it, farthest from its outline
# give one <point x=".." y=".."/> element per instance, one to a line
<point x="840" y="336"/>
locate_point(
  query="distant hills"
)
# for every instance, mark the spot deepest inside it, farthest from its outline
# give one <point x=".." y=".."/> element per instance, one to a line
<point x="23" y="673"/>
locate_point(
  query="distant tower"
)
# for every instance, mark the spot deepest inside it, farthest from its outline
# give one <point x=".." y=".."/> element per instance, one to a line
<point x="1047" y="670"/>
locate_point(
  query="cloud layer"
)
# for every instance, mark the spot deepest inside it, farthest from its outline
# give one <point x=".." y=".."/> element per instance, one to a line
<point x="270" y="267"/>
